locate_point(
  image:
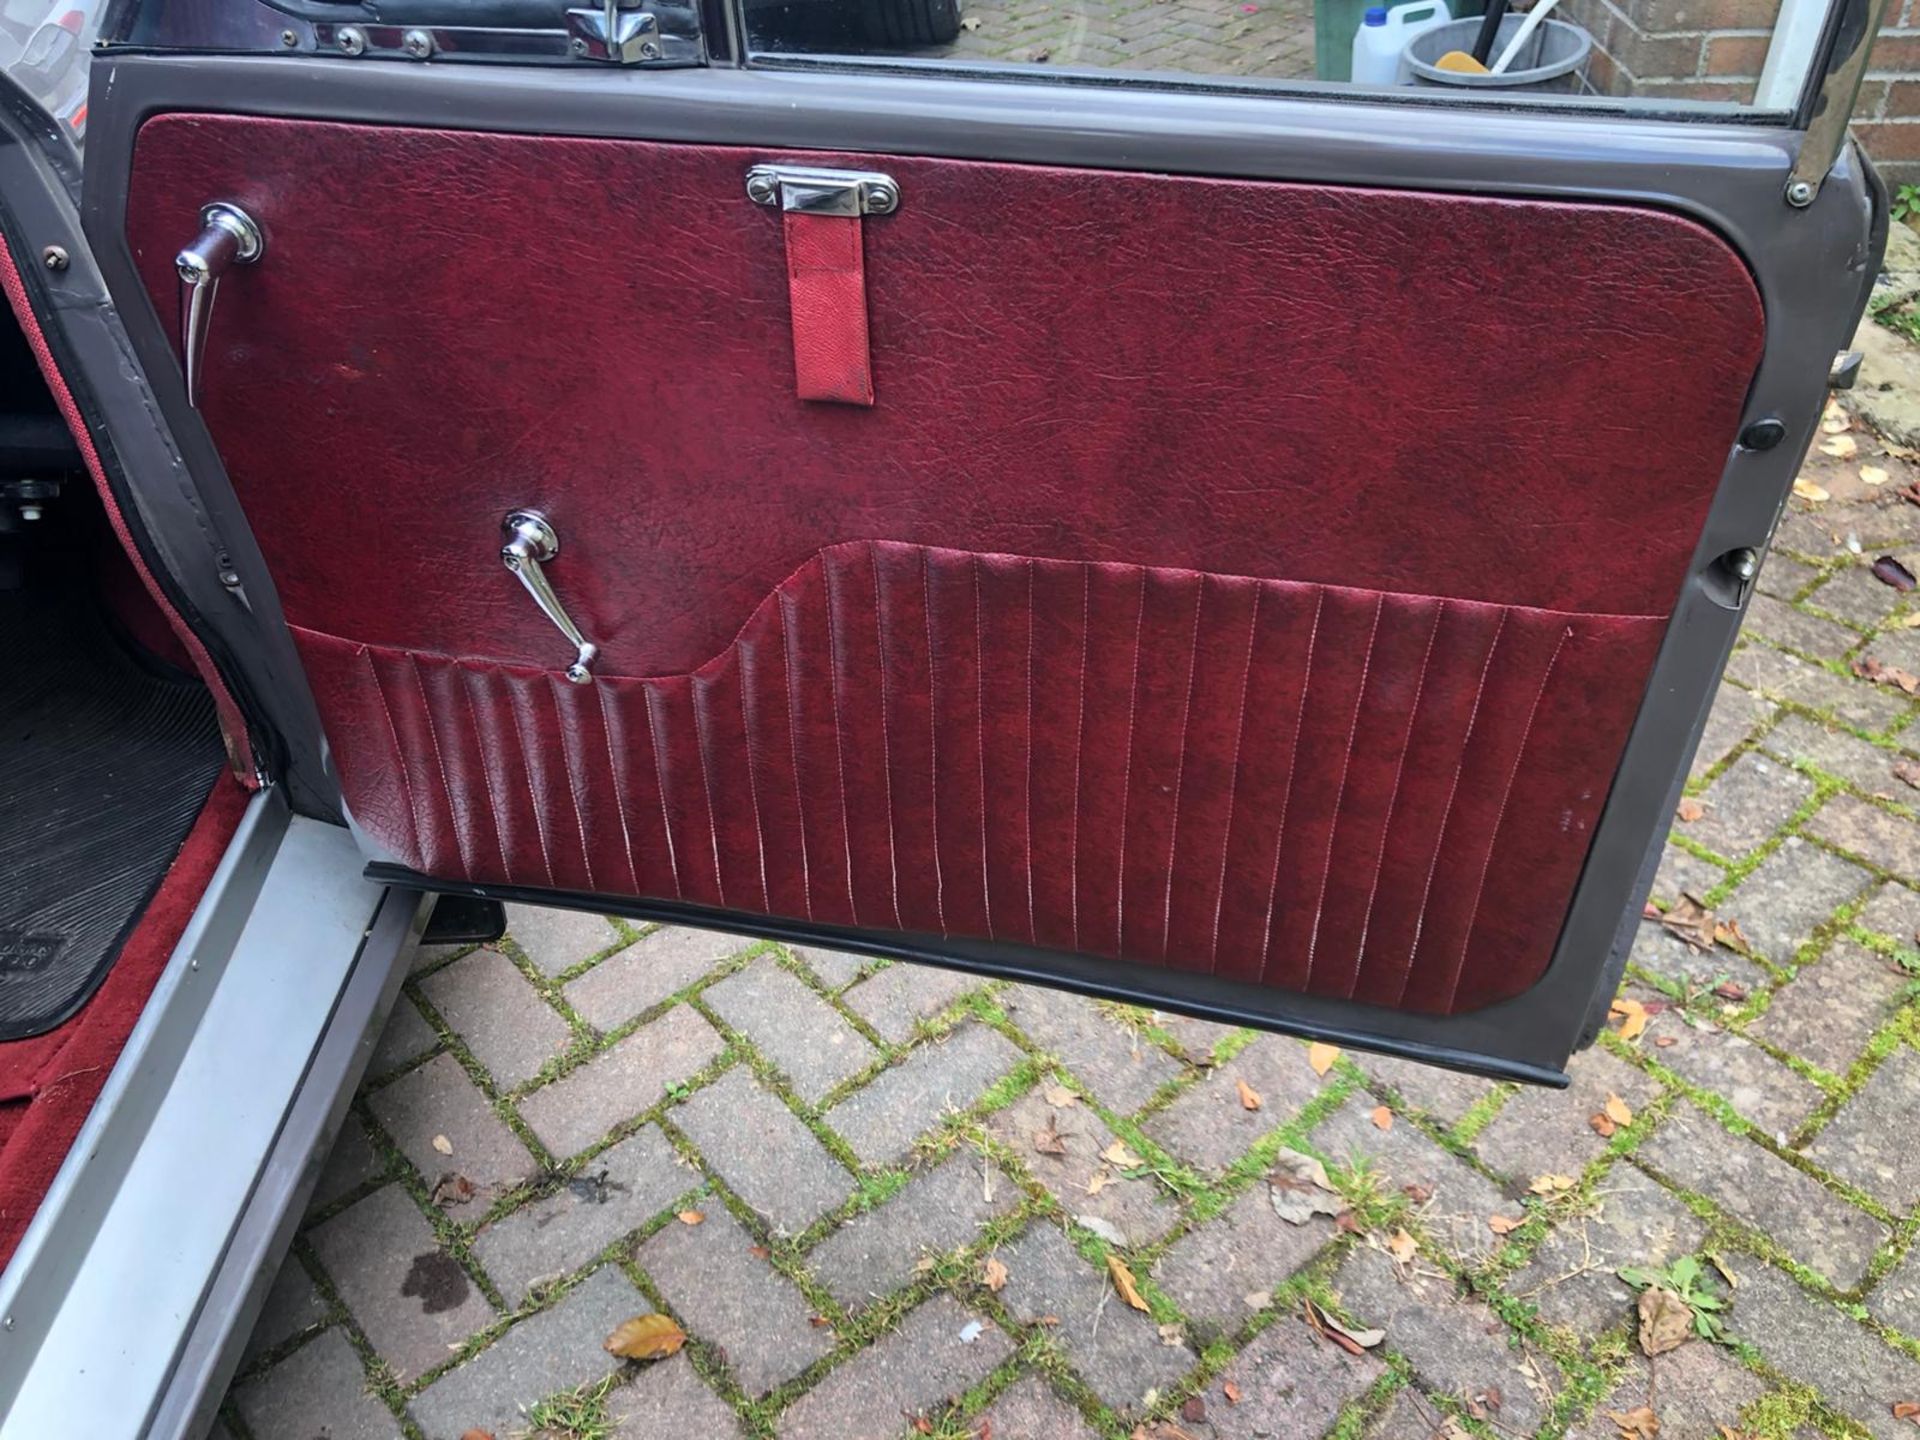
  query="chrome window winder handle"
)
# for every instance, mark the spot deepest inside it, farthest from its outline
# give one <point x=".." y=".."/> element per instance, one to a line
<point x="229" y="237"/>
<point x="531" y="543"/>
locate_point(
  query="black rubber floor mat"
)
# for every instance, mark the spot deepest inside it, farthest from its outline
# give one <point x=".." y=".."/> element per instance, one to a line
<point x="104" y="763"/>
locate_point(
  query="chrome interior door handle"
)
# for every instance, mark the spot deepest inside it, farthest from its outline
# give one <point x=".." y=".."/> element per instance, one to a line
<point x="230" y="238"/>
<point x="531" y="543"/>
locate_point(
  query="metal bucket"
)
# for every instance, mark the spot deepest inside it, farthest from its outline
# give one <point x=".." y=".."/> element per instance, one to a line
<point x="1554" y="57"/>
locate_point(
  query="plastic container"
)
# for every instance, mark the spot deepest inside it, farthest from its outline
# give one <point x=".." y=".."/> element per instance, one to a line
<point x="1380" y="44"/>
<point x="1553" y="59"/>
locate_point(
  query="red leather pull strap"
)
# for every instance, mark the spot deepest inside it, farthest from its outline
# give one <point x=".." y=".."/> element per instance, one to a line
<point x="827" y="288"/>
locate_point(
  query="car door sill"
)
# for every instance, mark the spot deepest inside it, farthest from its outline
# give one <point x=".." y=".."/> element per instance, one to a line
<point x="149" y="1258"/>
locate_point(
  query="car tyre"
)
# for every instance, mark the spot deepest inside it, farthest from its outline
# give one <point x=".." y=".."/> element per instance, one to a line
<point x="910" y="22"/>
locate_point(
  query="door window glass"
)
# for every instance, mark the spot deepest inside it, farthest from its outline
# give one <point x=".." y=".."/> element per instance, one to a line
<point x="1695" y="54"/>
<point x="44" y="45"/>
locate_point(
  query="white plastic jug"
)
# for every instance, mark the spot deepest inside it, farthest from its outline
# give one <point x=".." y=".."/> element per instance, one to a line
<point x="1379" y="45"/>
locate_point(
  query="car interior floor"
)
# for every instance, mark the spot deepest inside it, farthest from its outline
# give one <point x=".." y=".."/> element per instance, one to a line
<point x="110" y="753"/>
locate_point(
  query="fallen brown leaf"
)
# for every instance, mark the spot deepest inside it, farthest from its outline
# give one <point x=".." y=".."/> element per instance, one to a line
<point x="1504" y="1224"/>
<point x="1551" y="1184"/>
<point x="1401" y="1246"/>
<point x="646" y="1337"/>
<point x="690" y="1217"/>
<point x="1730" y="990"/>
<point x="1729" y="934"/>
<point x="1889" y="571"/>
<point x="1354" y="1342"/>
<point x="1231" y="1391"/>
<point x="1618" y="1110"/>
<point x="443" y="1145"/>
<point x="994" y="1274"/>
<point x="759" y="1252"/>
<point x="1249" y="1097"/>
<point x="1416" y="1192"/>
<point x="1719" y="1263"/>
<point x="1321" y="1056"/>
<point x="1194" y="1409"/>
<point x="1691" y="921"/>
<point x="1117" y="1154"/>
<point x="1099" y="1180"/>
<point x="1908" y="771"/>
<point x="1840" y="447"/>
<point x="1811" y="490"/>
<point x="1666" y="1321"/>
<point x="1123" y="1281"/>
<point x="1636" y="1424"/>
<point x="454" y="1190"/>
<point x="1061" y="1098"/>
<point x="1382" y="1118"/>
<point x="1906" y="1409"/>
<point x="1633" y="1017"/>
<point x="1883" y="674"/>
<point x="1298" y="1188"/>
<point x="1048" y="1141"/>
<point x="1689" y="810"/>
<point x="476" y="1434"/>
<point x="1601" y="1125"/>
<point x="1874" y="475"/>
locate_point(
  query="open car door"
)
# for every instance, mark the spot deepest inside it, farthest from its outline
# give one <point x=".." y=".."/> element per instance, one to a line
<point x="1262" y="551"/>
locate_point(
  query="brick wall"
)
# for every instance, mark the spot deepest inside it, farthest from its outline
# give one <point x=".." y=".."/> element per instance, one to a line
<point x="1713" y="50"/>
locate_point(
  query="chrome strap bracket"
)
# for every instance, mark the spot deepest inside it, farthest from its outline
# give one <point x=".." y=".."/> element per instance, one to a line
<point x="808" y="191"/>
<point x="531" y="543"/>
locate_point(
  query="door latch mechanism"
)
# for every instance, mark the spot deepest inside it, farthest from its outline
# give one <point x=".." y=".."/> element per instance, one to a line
<point x="531" y="543"/>
<point x="230" y="237"/>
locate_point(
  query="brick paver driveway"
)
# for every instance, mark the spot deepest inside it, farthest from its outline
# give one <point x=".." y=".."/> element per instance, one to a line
<point x="910" y="1183"/>
<point x="1271" y="39"/>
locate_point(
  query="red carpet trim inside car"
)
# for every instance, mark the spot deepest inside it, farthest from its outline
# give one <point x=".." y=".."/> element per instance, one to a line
<point x="49" y="1083"/>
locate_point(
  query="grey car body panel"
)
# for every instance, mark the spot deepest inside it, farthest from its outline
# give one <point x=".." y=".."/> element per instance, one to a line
<point x="1811" y="266"/>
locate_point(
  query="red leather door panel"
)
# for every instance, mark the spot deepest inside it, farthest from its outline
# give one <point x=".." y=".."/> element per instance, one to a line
<point x="1228" y="576"/>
